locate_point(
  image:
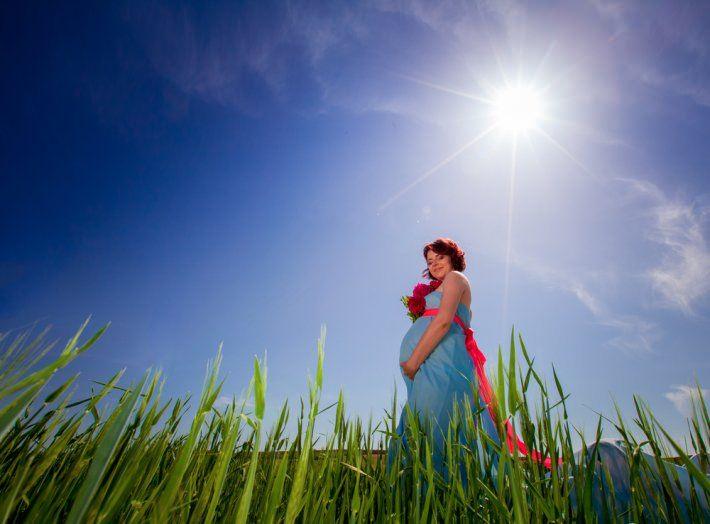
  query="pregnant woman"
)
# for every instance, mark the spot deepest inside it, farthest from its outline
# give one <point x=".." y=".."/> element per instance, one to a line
<point x="441" y="362"/>
<point x="436" y="367"/>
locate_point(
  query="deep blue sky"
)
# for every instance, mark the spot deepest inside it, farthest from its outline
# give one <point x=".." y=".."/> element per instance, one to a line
<point x="246" y="172"/>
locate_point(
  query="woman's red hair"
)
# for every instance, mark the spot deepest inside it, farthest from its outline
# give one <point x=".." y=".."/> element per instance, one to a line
<point x="446" y="246"/>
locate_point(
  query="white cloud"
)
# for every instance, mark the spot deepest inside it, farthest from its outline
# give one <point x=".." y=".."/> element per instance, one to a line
<point x="223" y="401"/>
<point x="681" y="398"/>
<point x="684" y="276"/>
<point x="591" y="302"/>
<point x="678" y="277"/>
<point x="636" y="335"/>
<point x="681" y="278"/>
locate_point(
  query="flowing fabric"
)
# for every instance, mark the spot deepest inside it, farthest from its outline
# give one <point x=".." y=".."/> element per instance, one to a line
<point x="446" y="376"/>
<point x="486" y="392"/>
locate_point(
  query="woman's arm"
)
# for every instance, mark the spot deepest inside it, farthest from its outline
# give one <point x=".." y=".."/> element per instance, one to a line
<point x="440" y="325"/>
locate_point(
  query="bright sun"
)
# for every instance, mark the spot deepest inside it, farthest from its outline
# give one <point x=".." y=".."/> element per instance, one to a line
<point x="517" y="108"/>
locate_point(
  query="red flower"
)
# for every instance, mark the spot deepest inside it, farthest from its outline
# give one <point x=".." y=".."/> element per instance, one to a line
<point x="421" y="290"/>
<point x="417" y="305"/>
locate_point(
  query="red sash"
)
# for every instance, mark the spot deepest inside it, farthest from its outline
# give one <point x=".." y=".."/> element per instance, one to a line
<point x="486" y="392"/>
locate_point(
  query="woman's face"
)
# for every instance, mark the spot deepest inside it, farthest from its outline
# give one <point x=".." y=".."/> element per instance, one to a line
<point x="439" y="265"/>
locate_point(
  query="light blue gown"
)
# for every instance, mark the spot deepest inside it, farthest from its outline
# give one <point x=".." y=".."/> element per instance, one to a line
<point x="448" y="373"/>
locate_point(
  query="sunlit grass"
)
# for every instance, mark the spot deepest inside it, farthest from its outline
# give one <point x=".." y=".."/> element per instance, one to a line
<point x="63" y="460"/>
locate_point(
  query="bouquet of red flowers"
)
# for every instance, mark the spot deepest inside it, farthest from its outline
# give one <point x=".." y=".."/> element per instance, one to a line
<point x="416" y="304"/>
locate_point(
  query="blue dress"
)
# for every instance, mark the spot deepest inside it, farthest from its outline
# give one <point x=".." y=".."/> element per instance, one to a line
<point x="445" y="376"/>
<point x="448" y="374"/>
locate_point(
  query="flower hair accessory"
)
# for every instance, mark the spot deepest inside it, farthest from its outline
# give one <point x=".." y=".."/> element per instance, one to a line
<point x="416" y="303"/>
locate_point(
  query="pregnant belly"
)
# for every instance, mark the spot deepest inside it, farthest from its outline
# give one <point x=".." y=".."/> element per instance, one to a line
<point x="449" y="352"/>
<point x="411" y="337"/>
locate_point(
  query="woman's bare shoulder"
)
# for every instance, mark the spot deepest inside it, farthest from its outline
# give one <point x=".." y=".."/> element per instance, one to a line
<point x="462" y="283"/>
<point x="460" y="280"/>
<point x="458" y="276"/>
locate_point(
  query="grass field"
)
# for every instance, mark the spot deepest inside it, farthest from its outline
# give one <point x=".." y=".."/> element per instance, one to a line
<point x="63" y="459"/>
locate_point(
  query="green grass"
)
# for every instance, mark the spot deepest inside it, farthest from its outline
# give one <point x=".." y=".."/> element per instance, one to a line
<point x="64" y="460"/>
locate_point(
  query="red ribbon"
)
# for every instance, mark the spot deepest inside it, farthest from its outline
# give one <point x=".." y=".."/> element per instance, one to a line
<point x="486" y="392"/>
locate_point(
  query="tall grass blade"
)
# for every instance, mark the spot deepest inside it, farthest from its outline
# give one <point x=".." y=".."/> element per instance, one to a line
<point x="104" y="453"/>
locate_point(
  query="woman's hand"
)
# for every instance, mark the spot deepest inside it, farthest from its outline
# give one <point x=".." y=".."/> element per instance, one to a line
<point x="410" y="368"/>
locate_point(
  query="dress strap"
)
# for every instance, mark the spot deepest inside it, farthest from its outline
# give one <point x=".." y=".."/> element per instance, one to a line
<point x="486" y="392"/>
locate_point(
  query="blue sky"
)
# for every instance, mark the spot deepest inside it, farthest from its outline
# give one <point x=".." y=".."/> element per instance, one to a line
<point x="247" y="172"/>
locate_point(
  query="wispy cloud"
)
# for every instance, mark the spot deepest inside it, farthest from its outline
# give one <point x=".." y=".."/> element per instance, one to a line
<point x="678" y="277"/>
<point x="345" y="56"/>
<point x="223" y="401"/>
<point x="234" y="53"/>
<point x="687" y="83"/>
<point x="635" y="334"/>
<point x="683" y="396"/>
<point x="664" y="45"/>
<point x="681" y="277"/>
<point x="315" y="58"/>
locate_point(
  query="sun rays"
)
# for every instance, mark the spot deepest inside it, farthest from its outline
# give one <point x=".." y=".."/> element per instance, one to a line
<point x="513" y="109"/>
<point x="438" y="166"/>
<point x="517" y="110"/>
